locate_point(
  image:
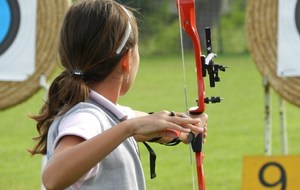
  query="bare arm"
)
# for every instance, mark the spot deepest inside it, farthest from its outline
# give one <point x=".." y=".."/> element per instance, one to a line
<point x="74" y="156"/>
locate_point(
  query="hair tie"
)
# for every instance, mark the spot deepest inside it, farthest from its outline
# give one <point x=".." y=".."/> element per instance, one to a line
<point x="77" y="73"/>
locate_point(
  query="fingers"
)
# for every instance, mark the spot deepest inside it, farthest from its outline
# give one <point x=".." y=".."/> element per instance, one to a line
<point x="194" y="124"/>
<point x="168" y="134"/>
<point x="202" y="126"/>
<point x="187" y="138"/>
<point x="198" y="124"/>
<point x="167" y="124"/>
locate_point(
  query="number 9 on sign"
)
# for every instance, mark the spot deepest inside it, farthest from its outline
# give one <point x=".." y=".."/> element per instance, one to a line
<point x="271" y="173"/>
<point x="281" y="179"/>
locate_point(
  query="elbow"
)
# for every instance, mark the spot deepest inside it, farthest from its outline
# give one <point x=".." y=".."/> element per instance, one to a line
<point x="49" y="182"/>
<point x="54" y="180"/>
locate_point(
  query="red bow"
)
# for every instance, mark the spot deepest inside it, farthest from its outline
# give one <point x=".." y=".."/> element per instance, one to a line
<point x="204" y="65"/>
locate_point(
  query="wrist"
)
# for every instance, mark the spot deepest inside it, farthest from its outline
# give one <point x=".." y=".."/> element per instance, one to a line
<point x="130" y="127"/>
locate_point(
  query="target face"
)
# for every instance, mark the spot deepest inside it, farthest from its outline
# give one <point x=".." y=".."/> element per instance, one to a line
<point x="33" y="48"/>
<point x="17" y="39"/>
<point x="9" y="22"/>
<point x="288" y="38"/>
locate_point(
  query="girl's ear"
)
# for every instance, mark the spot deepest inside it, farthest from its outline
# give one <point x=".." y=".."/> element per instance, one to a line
<point x="125" y="61"/>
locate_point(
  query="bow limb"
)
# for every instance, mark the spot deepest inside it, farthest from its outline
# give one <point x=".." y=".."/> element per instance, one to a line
<point x="186" y="9"/>
<point x="188" y="22"/>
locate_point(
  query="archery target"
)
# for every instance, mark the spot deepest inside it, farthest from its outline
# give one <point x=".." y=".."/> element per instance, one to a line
<point x="262" y="25"/>
<point x="17" y="39"/>
<point x="39" y="24"/>
<point x="288" y="38"/>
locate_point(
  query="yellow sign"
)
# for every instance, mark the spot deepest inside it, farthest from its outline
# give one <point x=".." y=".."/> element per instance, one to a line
<point x="271" y="173"/>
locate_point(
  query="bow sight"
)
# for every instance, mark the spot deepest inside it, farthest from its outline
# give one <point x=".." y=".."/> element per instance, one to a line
<point x="210" y="68"/>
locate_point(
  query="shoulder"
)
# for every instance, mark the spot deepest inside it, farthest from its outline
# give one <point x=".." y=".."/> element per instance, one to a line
<point x="87" y="108"/>
<point x="84" y="114"/>
<point x="83" y="120"/>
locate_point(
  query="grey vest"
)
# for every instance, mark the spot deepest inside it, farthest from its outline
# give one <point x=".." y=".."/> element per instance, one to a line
<point x="121" y="169"/>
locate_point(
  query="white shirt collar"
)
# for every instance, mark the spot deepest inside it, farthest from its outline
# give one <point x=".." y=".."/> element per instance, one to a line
<point x="115" y="109"/>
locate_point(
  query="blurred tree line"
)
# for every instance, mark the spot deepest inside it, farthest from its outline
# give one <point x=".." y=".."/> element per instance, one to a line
<point x="159" y="27"/>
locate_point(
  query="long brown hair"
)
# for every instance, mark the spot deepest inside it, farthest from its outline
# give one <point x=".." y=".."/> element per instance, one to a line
<point x="90" y="36"/>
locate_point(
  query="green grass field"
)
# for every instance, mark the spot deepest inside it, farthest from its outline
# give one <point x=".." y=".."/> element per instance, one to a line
<point x="236" y="126"/>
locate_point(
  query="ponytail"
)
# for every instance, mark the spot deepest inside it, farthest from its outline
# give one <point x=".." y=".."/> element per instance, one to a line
<point x="67" y="90"/>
